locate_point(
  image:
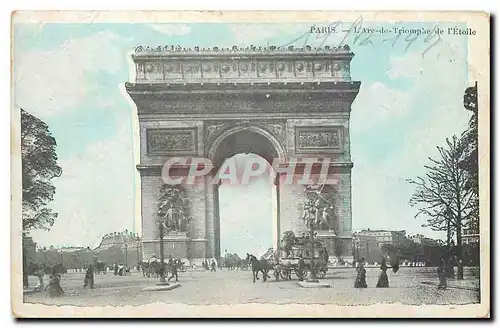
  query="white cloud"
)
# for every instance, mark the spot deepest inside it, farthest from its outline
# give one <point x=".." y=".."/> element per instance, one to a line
<point x="95" y="194"/>
<point x="171" y="29"/>
<point x="378" y="103"/>
<point x="51" y="82"/>
<point x="440" y="85"/>
<point x="409" y="66"/>
<point x="444" y="65"/>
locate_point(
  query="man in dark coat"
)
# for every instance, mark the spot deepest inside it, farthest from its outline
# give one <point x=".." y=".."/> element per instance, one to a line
<point x="302" y="268"/>
<point x="442" y="273"/>
<point x="89" y="277"/>
<point x="173" y="265"/>
<point x="213" y="265"/>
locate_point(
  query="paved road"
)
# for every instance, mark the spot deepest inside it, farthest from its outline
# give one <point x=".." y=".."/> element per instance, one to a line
<point x="409" y="286"/>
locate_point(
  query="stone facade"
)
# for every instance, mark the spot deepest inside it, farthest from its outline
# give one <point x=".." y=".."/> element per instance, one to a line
<point x="286" y="104"/>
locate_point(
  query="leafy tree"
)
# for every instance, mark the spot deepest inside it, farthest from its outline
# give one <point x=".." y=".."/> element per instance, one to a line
<point x="469" y="160"/>
<point x="470" y="138"/>
<point x="39" y="167"/>
<point x="443" y="194"/>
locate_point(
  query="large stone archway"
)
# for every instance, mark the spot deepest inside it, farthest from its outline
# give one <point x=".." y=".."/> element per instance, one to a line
<point x="286" y="104"/>
<point x="253" y="137"/>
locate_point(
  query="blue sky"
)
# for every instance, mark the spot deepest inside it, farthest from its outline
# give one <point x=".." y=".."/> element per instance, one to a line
<point x="71" y="76"/>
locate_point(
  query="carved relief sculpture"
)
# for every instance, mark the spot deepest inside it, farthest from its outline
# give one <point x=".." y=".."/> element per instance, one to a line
<point x="318" y="139"/>
<point x="171" y="141"/>
<point x="319" y="206"/>
<point x="173" y="209"/>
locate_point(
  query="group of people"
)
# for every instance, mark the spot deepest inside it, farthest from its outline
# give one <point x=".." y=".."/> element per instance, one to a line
<point x="444" y="271"/>
<point x="212" y="267"/>
<point x="360" y="282"/>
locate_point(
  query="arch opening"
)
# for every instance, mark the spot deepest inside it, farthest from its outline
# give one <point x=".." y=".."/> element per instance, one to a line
<point x="246" y="208"/>
<point x="248" y="220"/>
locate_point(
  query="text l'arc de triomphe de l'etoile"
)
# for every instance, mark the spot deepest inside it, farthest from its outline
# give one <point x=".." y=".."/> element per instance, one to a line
<point x="285" y="103"/>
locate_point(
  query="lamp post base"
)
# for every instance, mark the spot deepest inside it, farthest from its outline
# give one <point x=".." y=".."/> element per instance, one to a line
<point x="162" y="282"/>
<point x="311" y="277"/>
<point x="307" y="284"/>
<point x="159" y="287"/>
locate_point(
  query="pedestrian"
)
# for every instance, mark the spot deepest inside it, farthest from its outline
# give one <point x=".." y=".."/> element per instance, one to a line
<point x="442" y="273"/>
<point x="54" y="288"/>
<point x="39" y="273"/>
<point x="383" y="280"/>
<point x="361" y="275"/>
<point x="450" y="270"/>
<point x="89" y="277"/>
<point x="302" y="268"/>
<point x="115" y="269"/>
<point x="174" y="269"/>
<point x="213" y="265"/>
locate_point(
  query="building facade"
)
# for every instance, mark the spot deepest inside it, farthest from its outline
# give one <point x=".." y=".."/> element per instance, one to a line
<point x="119" y="239"/>
<point x="290" y="106"/>
<point x="369" y="243"/>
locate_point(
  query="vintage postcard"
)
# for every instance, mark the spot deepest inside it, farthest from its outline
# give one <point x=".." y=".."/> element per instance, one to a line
<point x="250" y="164"/>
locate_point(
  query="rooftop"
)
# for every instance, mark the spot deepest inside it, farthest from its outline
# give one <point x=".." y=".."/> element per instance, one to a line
<point x="235" y="50"/>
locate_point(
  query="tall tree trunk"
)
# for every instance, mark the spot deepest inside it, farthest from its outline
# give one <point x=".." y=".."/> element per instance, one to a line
<point x="448" y="237"/>
<point x="460" y="252"/>
<point x="25" y="269"/>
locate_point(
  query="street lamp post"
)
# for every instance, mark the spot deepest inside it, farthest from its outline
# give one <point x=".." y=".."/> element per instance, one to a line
<point x="312" y="232"/>
<point x="126" y="255"/>
<point x="138" y="255"/>
<point x="162" y="256"/>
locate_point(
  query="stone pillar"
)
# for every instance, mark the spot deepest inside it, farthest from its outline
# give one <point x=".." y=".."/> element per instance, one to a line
<point x="291" y="200"/>
<point x="277" y="213"/>
<point x="150" y="192"/>
<point x="210" y="211"/>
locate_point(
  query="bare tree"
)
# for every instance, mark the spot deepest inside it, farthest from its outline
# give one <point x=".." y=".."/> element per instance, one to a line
<point x="443" y="195"/>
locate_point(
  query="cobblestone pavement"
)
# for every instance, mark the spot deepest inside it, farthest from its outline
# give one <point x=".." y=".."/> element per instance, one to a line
<point x="408" y="286"/>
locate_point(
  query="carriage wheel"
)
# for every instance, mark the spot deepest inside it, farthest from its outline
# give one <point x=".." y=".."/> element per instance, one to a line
<point x="300" y="273"/>
<point x="321" y="273"/>
<point x="285" y="274"/>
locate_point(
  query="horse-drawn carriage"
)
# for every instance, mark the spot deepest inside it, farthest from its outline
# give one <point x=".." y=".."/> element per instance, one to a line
<point x="289" y="259"/>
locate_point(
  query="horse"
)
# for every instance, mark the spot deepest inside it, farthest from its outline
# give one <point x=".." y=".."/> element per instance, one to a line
<point x="243" y="264"/>
<point x="144" y="267"/>
<point x="123" y="270"/>
<point x="173" y="267"/>
<point x="232" y="261"/>
<point x="262" y="266"/>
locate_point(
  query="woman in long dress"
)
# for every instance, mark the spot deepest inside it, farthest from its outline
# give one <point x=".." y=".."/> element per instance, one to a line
<point x="54" y="287"/>
<point x="361" y="276"/>
<point x="383" y="280"/>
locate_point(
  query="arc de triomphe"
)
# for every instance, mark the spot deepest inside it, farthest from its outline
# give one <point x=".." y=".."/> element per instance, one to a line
<point x="290" y="104"/>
